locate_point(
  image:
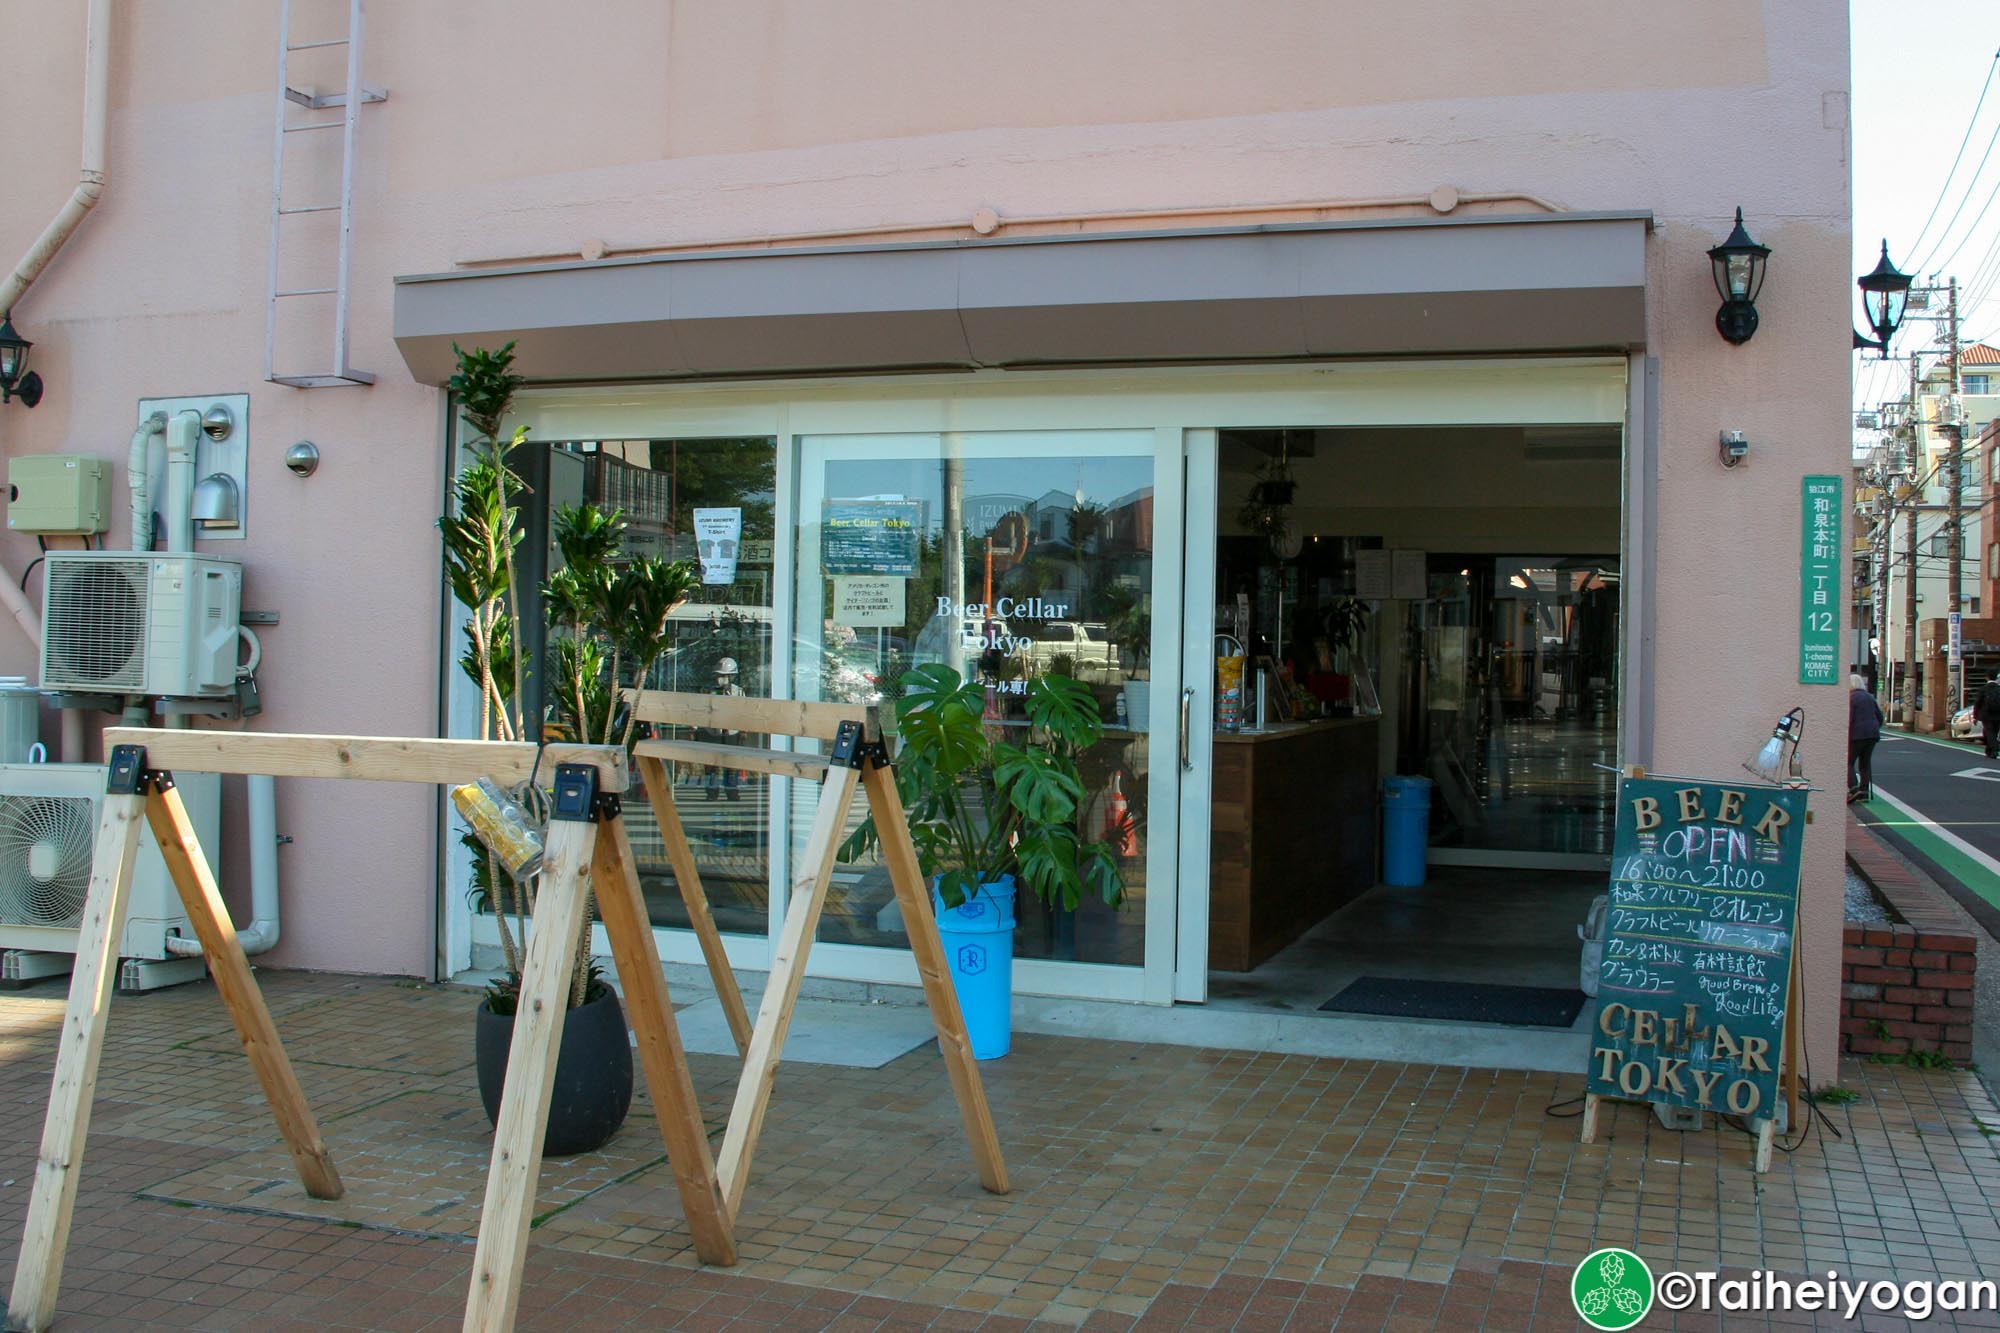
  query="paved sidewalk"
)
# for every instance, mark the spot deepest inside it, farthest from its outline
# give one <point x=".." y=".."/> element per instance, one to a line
<point x="1154" y="1186"/>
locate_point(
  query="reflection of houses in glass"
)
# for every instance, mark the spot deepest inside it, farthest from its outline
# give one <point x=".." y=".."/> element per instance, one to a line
<point x="1058" y="568"/>
<point x="616" y="481"/>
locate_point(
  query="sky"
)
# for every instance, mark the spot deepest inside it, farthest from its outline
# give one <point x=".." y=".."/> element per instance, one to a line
<point x="1920" y="67"/>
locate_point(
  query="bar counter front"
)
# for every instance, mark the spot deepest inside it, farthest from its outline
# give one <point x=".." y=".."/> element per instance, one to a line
<point x="1295" y="818"/>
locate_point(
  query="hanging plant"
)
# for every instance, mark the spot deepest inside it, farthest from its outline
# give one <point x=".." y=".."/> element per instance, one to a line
<point x="1266" y="509"/>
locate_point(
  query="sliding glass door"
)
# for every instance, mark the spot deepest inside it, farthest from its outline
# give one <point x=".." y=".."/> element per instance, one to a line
<point x="1006" y="556"/>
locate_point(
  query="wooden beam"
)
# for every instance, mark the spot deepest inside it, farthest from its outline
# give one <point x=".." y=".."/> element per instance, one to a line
<point x="650" y="1012"/>
<point x="781" y="989"/>
<point x="381" y="758"/>
<point x="187" y="866"/>
<point x="660" y="795"/>
<point x="764" y="717"/>
<point x="1587" y="1127"/>
<point x="38" y="1271"/>
<point x="706" y="754"/>
<point x="892" y="826"/>
<point x="1767" y="1133"/>
<point x="560" y="906"/>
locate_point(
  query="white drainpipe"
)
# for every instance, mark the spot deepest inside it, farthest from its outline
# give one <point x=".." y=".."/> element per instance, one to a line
<point x="90" y="179"/>
<point x="182" y="432"/>
<point x="262" y="932"/>
<point x="89" y="188"/>
<point x="24" y="612"/>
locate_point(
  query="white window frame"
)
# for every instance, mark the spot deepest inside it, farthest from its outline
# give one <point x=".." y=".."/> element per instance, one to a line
<point x="1183" y="407"/>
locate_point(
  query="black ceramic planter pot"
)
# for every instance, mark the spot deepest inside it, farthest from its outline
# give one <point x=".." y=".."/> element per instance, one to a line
<point x="593" y="1087"/>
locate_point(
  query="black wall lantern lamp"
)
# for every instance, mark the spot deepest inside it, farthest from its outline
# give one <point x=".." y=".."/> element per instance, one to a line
<point x="1739" y="276"/>
<point x="1884" y="292"/>
<point x="16" y="380"/>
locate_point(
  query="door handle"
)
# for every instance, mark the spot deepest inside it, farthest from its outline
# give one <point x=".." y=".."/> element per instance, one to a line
<point x="1187" y="723"/>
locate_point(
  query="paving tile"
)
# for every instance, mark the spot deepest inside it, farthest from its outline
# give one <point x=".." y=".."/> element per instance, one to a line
<point x="1155" y="1187"/>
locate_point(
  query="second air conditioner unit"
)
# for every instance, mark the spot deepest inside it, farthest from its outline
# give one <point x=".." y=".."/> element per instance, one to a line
<point x="137" y="622"/>
<point x="48" y="831"/>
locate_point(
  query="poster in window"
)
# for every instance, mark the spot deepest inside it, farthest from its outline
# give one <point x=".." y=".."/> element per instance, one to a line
<point x="870" y="537"/>
<point x="718" y="535"/>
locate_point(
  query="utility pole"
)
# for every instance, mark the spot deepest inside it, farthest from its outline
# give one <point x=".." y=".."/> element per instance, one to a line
<point x="1954" y="479"/>
<point x="1910" y="470"/>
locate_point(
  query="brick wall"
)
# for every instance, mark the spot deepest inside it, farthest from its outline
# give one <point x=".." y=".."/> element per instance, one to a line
<point x="1904" y="987"/>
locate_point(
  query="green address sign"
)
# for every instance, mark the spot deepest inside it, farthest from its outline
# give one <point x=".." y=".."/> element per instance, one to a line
<point x="1820" y="582"/>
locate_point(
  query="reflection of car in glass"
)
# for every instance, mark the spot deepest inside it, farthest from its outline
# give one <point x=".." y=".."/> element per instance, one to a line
<point x="1087" y="645"/>
<point x="1963" y="726"/>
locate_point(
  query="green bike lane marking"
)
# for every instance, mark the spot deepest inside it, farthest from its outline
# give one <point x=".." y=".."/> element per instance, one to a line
<point x="1971" y="867"/>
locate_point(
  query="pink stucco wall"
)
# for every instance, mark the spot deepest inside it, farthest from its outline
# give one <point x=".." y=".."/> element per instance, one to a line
<point x="518" y="129"/>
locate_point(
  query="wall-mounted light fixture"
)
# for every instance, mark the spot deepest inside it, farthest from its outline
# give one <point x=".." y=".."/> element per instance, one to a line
<point x="1739" y="275"/>
<point x="16" y="380"/>
<point x="1778" y="760"/>
<point x="1884" y="293"/>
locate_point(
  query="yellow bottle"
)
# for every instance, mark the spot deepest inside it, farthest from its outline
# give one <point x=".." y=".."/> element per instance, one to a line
<point x="501" y="825"/>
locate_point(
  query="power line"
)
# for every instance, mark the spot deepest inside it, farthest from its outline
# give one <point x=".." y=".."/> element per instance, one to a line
<point x="1945" y="188"/>
<point x="1966" y="239"/>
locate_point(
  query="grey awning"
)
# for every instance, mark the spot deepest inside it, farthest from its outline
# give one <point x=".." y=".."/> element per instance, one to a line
<point x="1432" y="286"/>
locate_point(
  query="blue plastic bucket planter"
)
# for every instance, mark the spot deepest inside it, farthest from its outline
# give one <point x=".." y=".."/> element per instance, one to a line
<point x="1406" y="830"/>
<point x="978" y="937"/>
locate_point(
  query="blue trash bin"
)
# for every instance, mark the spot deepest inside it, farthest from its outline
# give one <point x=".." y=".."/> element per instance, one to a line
<point x="978" y="937"/>
<point x="1406" y="829"/>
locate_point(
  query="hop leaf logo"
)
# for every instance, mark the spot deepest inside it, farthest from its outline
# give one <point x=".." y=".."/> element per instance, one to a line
<point x="1612" y="1289"/>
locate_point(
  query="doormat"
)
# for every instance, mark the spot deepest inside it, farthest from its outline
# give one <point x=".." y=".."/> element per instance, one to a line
<point x="823" y="1032"/>
<point x="1460" y="1002"/>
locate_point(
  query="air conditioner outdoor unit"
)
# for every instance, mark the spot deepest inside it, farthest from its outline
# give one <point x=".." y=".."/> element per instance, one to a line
<point x="48" y="831"/>
<point x="137" y="622"/>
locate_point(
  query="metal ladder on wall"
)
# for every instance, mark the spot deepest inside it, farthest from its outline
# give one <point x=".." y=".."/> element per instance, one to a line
<point x="349" y="102"/>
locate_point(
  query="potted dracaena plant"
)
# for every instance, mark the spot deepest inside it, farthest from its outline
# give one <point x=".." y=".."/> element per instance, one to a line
<point x="988" y="812"/>
<point x="606" y="626"/>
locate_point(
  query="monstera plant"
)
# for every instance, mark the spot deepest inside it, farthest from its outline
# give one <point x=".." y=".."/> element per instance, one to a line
<point x="982" y="807"/>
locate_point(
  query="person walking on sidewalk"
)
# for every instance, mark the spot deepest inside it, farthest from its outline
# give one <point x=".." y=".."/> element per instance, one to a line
<point x="1864" y="729"/>
<point x="1987" y="713"/>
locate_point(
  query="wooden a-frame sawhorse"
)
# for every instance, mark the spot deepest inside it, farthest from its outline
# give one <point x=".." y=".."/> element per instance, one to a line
<point x="587" y="846"/>
<point x="858" y="758"/>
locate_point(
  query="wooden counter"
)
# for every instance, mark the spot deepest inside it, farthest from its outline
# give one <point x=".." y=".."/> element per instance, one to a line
<point x="1295" y="816"/>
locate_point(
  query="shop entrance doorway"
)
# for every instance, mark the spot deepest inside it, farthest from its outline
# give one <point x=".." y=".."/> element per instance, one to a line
<point x="1441" y="605"/>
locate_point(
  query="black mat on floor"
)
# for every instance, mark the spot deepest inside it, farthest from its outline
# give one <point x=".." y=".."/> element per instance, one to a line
<point x="1460" y="1002"/>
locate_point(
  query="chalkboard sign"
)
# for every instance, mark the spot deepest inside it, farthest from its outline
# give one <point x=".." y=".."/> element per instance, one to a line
<point x="870" y="537"/>
<point x="1695" y="981"/>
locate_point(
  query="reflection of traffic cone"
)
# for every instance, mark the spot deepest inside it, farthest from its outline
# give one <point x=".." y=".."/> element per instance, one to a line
<point x="1118" y="828"/>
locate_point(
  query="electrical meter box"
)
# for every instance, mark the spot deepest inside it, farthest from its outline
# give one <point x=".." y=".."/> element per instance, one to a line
<point x="58" y="494"/>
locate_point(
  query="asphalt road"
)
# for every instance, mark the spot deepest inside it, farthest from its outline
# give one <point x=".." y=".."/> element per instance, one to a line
<point x="1940" y="801"/>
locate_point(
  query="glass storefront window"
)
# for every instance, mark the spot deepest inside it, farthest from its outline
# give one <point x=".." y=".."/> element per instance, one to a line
<point x="1004" y="557"/>
<point x="711" y="501"/>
